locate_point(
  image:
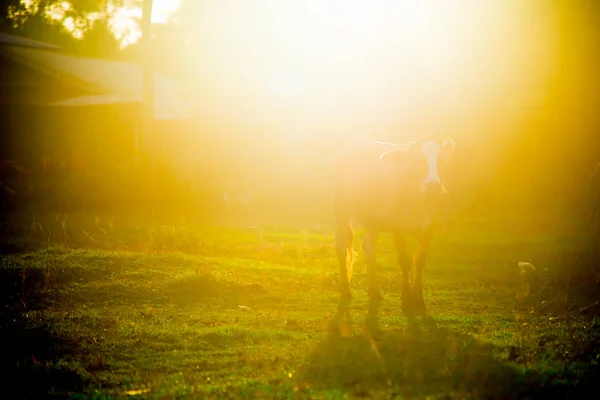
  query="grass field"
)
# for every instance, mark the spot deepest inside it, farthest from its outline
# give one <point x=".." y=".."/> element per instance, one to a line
<point x="96" y="308"/>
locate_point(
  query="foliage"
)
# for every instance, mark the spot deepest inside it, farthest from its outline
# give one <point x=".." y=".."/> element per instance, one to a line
<point x="7" y="9"/>
<point x="72" y="185"/>
<point x="99" y="42"/>
<point x="80" y="27"/>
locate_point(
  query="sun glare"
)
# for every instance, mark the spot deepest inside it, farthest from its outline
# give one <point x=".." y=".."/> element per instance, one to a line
<point x="124" y="19"/>
<point x="354" y="66"/>
<point x="286" y="85"/>
<point x="163" y="9"/>
<point x="377" y="65"/>
<point x="124" y="25"/>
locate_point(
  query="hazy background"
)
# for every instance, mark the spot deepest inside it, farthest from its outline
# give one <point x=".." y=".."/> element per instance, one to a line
<point x="276" y="87"/>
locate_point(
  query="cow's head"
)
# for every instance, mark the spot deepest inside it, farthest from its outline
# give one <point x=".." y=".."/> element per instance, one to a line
<point x="422" y="162"/>
<point x="417" y="167"/>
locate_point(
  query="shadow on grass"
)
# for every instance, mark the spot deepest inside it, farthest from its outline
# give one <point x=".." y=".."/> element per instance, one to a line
<point x="426" y="359"/>
<point x="28" y="349"/>
<point x="206" y="288"/>
<point x="11" y="246"/>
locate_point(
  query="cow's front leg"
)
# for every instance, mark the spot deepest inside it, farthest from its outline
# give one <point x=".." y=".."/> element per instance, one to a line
<point x="419" y="261"/>
<point x="370" y="250"/>
<point x="344" y="239"/>
<point x="405" y="265"/>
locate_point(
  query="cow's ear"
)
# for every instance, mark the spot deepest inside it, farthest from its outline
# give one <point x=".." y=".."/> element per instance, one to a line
<point x="447" y="147"/>
<point x="394" y="157"/>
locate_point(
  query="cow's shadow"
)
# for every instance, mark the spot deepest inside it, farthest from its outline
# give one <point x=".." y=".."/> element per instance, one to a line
<point x="422" y="358"/>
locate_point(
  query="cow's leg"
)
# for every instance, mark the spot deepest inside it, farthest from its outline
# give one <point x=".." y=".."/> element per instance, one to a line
<point x="370" y="250"/>
<point x="405" y="265"/>
<point x="419" y="261"/>
<point x="372" y="328"/>
<point x="344" y="239"/>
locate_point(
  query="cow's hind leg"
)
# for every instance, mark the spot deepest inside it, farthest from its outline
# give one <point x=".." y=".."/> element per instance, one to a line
<point x="370" y="250"/>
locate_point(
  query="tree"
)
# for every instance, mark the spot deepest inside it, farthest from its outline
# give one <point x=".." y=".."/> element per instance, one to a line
<point x="99" y="41"/>
<point x="7" y="9"/>
<point x="78" y="26"/>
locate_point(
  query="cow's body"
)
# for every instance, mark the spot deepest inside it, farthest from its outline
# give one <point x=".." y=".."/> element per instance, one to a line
<point x="393" y="189"/>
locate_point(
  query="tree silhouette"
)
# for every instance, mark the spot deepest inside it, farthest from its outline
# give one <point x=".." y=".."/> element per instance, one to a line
<point x="32" y="22"/>
<point x="100" y="42"/>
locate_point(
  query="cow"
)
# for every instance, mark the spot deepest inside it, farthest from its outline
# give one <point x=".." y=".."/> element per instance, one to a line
<point x="388" y="188"/>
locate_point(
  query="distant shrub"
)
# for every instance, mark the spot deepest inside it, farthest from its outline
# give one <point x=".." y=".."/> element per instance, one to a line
<point x="52" y="185"/>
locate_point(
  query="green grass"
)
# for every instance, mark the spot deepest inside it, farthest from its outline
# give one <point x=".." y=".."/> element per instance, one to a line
<point x="186" y="311"/>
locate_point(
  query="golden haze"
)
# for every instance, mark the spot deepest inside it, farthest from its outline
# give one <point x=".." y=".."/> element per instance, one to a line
<point x="278" y="73"/>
